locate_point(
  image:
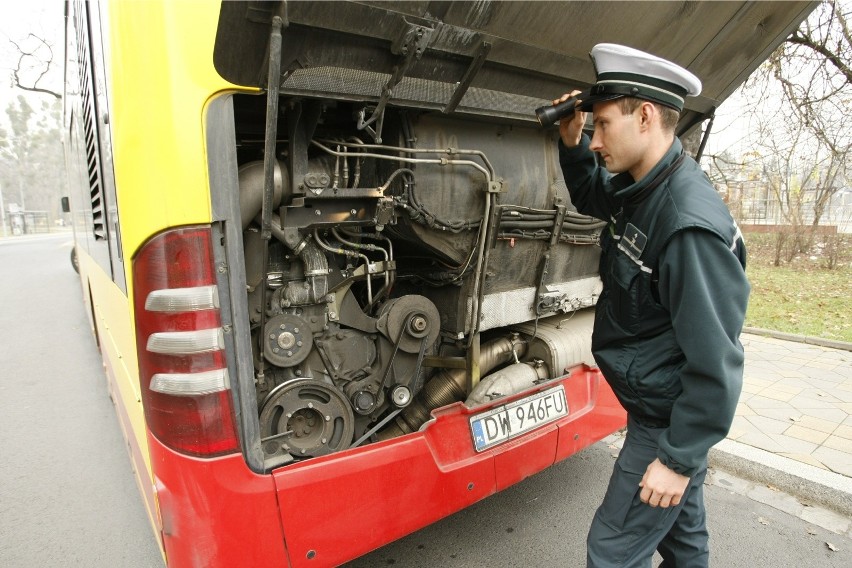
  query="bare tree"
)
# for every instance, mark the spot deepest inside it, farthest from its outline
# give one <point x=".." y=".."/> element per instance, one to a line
<point x="804" y="144"/>
<point x="35" y="59"/>
<point x="30" y="137"/>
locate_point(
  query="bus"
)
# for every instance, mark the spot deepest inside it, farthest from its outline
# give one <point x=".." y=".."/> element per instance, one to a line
<point x="329" y="258"/>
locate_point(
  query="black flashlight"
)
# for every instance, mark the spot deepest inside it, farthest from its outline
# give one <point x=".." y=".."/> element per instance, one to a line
<point x="549" y="114"/>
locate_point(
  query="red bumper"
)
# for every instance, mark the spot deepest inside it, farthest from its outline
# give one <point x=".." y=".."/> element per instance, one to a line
<point x="332" y="509"/>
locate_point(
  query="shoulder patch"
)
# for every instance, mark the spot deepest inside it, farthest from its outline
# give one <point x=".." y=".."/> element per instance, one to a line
<point x="634" y="240"/>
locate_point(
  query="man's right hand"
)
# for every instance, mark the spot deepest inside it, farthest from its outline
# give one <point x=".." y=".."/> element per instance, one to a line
<point x="571" y="127"/>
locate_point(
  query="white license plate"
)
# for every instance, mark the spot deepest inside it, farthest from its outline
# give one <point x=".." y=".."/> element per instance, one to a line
<point x="511" y="420"/>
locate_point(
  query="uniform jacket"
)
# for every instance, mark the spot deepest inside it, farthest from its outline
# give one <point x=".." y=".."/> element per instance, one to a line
<point x="667" y="324"/>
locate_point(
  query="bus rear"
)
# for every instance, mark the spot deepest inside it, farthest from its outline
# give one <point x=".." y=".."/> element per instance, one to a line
<point x="337" y="280"/>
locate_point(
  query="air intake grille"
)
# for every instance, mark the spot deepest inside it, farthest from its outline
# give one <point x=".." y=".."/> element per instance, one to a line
<point x="90" y="125"/>
<point x="339" y="82"/>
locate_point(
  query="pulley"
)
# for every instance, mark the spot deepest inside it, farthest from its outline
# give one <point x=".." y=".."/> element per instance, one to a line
<point x="306" y="418"/>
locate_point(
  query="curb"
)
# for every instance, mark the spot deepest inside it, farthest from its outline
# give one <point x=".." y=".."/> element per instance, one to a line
<point x="819" y="341"/>
<point x="813" y="485"/>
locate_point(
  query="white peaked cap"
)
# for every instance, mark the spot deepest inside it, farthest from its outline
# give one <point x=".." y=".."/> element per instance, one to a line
<point x="626" y="72"/>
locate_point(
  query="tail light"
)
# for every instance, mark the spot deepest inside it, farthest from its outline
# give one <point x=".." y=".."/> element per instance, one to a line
<point x="179" y="340"/>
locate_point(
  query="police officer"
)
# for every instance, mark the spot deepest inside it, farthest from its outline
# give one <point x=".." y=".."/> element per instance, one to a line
<point x="667" y="324"/>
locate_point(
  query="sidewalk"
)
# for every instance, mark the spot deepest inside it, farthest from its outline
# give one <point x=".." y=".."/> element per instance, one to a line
<point x="797" y="402"/>
<point x="790" y="445"/>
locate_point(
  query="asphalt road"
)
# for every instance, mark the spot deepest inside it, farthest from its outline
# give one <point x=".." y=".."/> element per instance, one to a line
<point x="68" y="495"/>
<point x="67" y="492"/>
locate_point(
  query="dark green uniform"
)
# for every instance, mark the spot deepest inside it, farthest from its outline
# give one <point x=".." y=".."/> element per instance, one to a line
<point x="667" y="325"/>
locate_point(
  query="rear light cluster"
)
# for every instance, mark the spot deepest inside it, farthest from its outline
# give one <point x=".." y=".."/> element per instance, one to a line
<point x="179" y="340"/>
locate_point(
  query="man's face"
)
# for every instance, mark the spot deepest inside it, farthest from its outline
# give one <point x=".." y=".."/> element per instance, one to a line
<point x="616" y="137"/>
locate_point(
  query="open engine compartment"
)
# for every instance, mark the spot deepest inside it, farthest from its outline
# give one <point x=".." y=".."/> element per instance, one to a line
<point x="406" y="238"/>
<point x="400" y="273"/>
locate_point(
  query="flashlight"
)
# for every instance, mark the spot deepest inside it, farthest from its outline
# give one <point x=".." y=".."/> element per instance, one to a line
<point x="549" y="114"/>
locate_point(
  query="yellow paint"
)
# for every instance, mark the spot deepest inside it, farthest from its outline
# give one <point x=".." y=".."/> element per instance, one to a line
<point x="160" y="77"/>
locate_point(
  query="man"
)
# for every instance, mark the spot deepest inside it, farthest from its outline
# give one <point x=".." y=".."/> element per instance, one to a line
<point x="667" y="325"/>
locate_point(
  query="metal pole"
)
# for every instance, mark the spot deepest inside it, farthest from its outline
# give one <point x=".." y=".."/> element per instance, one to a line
<point x="270" y="137"/>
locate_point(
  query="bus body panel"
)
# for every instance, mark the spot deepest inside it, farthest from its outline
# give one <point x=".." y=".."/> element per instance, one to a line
<point x="216" y="512"/>
<point x="161" y="163"/>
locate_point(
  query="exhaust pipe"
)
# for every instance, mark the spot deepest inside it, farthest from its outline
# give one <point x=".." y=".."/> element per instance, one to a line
<point x="450" y="385"/>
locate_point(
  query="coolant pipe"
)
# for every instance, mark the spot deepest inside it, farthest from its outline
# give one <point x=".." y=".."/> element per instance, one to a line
<point x="316" y="268"/>
<point x="251" y="178"/>
<point x="350" y="254"/>
<point x="450" y="385"/>
<point x="369" y="247"/>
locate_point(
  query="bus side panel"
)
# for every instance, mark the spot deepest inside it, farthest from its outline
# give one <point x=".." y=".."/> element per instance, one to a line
<point x="216" y="512"/>
<point x="138" y="454"/>
<point x="338" y="507"/>
<point x="112" y="326"/>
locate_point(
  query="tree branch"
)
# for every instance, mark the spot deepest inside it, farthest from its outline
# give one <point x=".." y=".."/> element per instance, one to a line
<point x="838" y="63"/>
<point x="44" y="65"/>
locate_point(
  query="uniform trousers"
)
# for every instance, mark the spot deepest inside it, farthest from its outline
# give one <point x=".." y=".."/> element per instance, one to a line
<point x="625" y="532"/>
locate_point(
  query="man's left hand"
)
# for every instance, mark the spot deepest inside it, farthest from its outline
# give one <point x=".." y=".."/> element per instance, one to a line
<point x="661" y="486"/>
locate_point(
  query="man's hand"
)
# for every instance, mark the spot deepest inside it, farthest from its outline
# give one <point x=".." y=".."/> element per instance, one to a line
<point x="571" y="127"/>
<point x="661" y="486"/>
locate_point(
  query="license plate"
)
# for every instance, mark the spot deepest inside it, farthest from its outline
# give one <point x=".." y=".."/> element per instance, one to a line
<point x="511" y="420"/>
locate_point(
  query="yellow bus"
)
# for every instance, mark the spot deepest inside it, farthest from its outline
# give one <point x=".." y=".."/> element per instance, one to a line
<point x="332" y="267"/>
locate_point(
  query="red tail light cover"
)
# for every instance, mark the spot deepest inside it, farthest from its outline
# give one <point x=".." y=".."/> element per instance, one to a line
<point x="194" y="423"/>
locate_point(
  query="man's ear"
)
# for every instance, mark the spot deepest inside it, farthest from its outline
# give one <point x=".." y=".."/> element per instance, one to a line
<point x="647" y="112"/>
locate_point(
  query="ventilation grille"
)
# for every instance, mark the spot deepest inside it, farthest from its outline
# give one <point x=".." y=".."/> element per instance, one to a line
<point x="367" y="85"/>
<point x="90" y="123"/>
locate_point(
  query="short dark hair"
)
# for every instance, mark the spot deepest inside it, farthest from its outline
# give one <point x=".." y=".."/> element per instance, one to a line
<point x="668" y="116"/>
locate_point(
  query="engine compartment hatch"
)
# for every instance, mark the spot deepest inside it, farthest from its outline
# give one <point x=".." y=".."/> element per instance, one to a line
<point x="498" y="59"/>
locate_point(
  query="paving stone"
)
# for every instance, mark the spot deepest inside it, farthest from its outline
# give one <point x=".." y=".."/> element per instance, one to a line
<point x="757" y="401"/>
<point x="763" y="441"/>
<point x="749" y="388"/>
<point x="835" y="460"/>
<point x="838" y="443"/>
<point x="757" y="381"/>
<point x="796" y="403"/>
<point x="806" y="434"/>
<point x="823" y="425"/>
<point x="744" y="410"/>
<point x="835" y="415"/>
<point x="805" y="458"/>
<point x="844" y="431"/>
<point x="791" y="386"/>
<point x="777" y="394"/>
<point x="769" y="425"/>
<point x="813" y="400"/>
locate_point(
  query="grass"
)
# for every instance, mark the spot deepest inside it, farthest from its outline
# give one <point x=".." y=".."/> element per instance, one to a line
<point x="817" y="303"/>
<point x="800" y="297"/>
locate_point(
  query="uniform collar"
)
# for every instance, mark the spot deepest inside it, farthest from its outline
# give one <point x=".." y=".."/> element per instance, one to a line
<point x="625" y="188"/>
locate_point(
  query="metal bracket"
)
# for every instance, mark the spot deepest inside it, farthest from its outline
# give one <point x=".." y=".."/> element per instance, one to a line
<point x="467" y="79"/>
<point x="543" y="304"/>
<point x="411" y="44"/>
